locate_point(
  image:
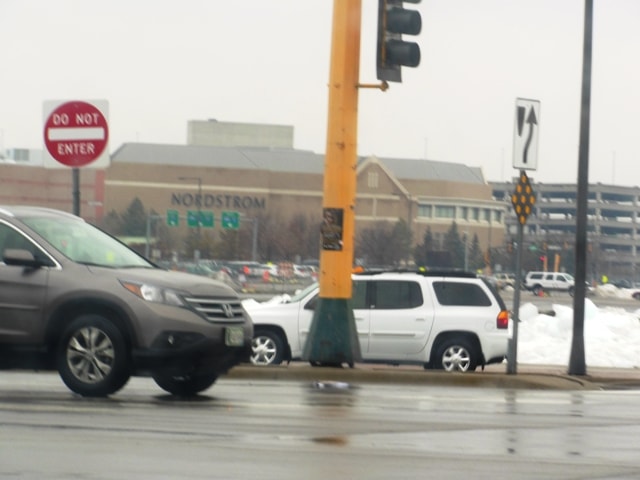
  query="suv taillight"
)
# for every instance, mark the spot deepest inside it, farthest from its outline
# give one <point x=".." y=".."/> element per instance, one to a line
<point x="503" y="319"/>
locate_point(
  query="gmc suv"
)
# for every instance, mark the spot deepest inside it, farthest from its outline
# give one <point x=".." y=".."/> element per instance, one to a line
<point x="454" y="321"/>
<point x="75" y="299"/>
<point x="540" y="282"/>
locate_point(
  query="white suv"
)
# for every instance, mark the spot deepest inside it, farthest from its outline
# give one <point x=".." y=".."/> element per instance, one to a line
<point x="539" y="282"/>
<point x="448" y="320"/>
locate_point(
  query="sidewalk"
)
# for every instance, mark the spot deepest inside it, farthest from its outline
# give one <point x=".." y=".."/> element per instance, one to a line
<point x="541" y="377"/>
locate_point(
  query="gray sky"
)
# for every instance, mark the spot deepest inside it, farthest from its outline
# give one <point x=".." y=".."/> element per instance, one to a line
<point x="161" y="63"/>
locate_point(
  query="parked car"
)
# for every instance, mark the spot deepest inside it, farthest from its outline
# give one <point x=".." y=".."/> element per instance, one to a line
<point x="247" y="268"/>
<point x="539" y="282"/>
<point x="196" y="268"/>
<point x="75" y="299"/>
<point x="303" y="272"/>
<point x="447" y="320"/>
<point x="504" y="280"/>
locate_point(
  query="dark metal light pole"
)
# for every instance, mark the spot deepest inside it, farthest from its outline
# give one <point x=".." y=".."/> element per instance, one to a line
<point x="577" y="365"/>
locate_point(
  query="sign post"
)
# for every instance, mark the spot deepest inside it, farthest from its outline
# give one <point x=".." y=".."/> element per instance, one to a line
<point x="522" y="199"/>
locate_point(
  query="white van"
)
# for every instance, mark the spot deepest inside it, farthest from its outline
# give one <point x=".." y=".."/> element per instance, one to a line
<point x="539" y="282"/>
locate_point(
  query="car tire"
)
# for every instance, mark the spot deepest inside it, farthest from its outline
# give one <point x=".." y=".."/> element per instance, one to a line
<point x="185" y="385"/>
<point x="267" y="348"/>
<point x="92" y="357"/>
<point x="456" y="355"/>
<point x="537" y="290"/>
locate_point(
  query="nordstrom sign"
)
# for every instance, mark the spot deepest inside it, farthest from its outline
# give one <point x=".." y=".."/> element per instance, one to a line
<point x="235" y="202"/>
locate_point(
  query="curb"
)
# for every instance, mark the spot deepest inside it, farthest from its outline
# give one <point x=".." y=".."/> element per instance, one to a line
<point x="408" y="376"/>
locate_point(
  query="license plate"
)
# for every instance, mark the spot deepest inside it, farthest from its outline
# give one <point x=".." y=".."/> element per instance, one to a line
<point x="234" y="336"/>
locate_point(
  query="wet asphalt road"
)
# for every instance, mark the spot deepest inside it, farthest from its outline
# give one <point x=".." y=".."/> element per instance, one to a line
<point x="286" y="430"/>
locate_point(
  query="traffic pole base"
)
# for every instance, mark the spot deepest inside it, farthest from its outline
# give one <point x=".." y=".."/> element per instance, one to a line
<point x="333" y="338"/>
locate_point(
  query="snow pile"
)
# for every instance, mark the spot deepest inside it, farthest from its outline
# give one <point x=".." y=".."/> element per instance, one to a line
<point x="611" y="336"/>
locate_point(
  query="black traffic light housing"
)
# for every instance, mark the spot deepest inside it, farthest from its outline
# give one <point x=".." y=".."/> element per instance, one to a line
<point x="392" y="51"/>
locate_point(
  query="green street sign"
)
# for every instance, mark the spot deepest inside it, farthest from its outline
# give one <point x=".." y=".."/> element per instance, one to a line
<point x="206" y="219"/>
<point x="230" y="220"/>
<point x="198" y="218"/>
<point x="173" y="218"/>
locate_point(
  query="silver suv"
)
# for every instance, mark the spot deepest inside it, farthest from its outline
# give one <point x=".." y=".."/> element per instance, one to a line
<point x="75" y="299"/>
<point x="540" y="282"/>
<point x="454" y="321"/>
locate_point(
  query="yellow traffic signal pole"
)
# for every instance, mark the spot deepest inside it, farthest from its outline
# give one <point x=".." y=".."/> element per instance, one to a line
<point x="333" y="339"/>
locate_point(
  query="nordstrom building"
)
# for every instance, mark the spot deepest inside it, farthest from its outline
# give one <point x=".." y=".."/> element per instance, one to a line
<point x="254" y="170"/>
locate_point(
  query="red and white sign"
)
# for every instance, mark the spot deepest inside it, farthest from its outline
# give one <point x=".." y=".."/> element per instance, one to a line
<point x="76" y="133"/>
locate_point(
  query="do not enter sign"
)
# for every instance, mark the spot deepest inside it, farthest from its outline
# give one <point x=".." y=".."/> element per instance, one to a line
<point x="76" y="134"/>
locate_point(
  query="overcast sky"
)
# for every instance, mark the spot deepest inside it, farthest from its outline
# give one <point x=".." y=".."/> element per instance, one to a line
<point x="160" y="64"/>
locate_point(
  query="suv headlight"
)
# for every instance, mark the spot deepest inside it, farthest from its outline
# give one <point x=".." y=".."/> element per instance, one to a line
<point x="153" y="293"/>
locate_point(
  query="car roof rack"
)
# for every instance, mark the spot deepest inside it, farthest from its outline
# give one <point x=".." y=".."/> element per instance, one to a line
<point x="420" y="271"/>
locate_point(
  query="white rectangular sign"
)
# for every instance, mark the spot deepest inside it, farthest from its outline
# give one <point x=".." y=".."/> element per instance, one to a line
<point x="525" y="138"/>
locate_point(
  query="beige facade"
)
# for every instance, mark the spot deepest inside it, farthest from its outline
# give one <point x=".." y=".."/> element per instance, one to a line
<point x="253" y="169"/>
<point x="280" y="195"/>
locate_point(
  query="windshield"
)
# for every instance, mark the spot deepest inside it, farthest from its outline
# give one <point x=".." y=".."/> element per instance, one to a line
<point x="83" y="243"/>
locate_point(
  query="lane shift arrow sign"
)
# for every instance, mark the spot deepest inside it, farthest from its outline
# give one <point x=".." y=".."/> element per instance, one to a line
<point x="525" y="142"/>
<point x="532" y="122"/>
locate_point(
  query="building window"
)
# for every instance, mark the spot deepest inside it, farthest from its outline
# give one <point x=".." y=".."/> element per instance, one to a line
<point x="425" y="211"/>
<point x="464" y="213"/>
<point x="445" y="211"/>
<point x="372" y="180"/>
<point x="487" y="215"/>
<point x="475" y="214"/>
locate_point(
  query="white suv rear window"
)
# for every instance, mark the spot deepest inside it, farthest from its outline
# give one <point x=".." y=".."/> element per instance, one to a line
<point x="460" y="294"/>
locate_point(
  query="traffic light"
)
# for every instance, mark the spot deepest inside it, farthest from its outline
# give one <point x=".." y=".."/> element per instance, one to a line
<point x="392" y="51"/>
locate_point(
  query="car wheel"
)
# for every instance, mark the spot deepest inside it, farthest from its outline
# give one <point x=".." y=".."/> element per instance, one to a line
<point x="92" y="357"/>
<point x="537" y="290"/>
<point x="456" y="355"/>
<point x="267" y="348"/>
<point x="636" y="295"/>
<point x="184" y="385"/>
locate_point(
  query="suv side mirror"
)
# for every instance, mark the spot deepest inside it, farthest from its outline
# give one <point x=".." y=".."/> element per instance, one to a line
<point x="20" y="257"/>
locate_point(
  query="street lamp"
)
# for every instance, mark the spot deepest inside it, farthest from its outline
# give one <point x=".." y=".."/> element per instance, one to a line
<point x="198" y="199"/>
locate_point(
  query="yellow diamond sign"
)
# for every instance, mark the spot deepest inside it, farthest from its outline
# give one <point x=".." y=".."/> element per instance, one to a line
<point x="523" y="199"/>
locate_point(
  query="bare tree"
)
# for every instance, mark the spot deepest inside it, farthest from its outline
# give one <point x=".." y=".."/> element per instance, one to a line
<point x="384" y="243"/>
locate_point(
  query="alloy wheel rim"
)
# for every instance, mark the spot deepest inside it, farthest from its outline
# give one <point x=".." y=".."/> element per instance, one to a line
<point x="264" y="351"/>
<point x="456" y="359"/>
<point x="90" y="355"/>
